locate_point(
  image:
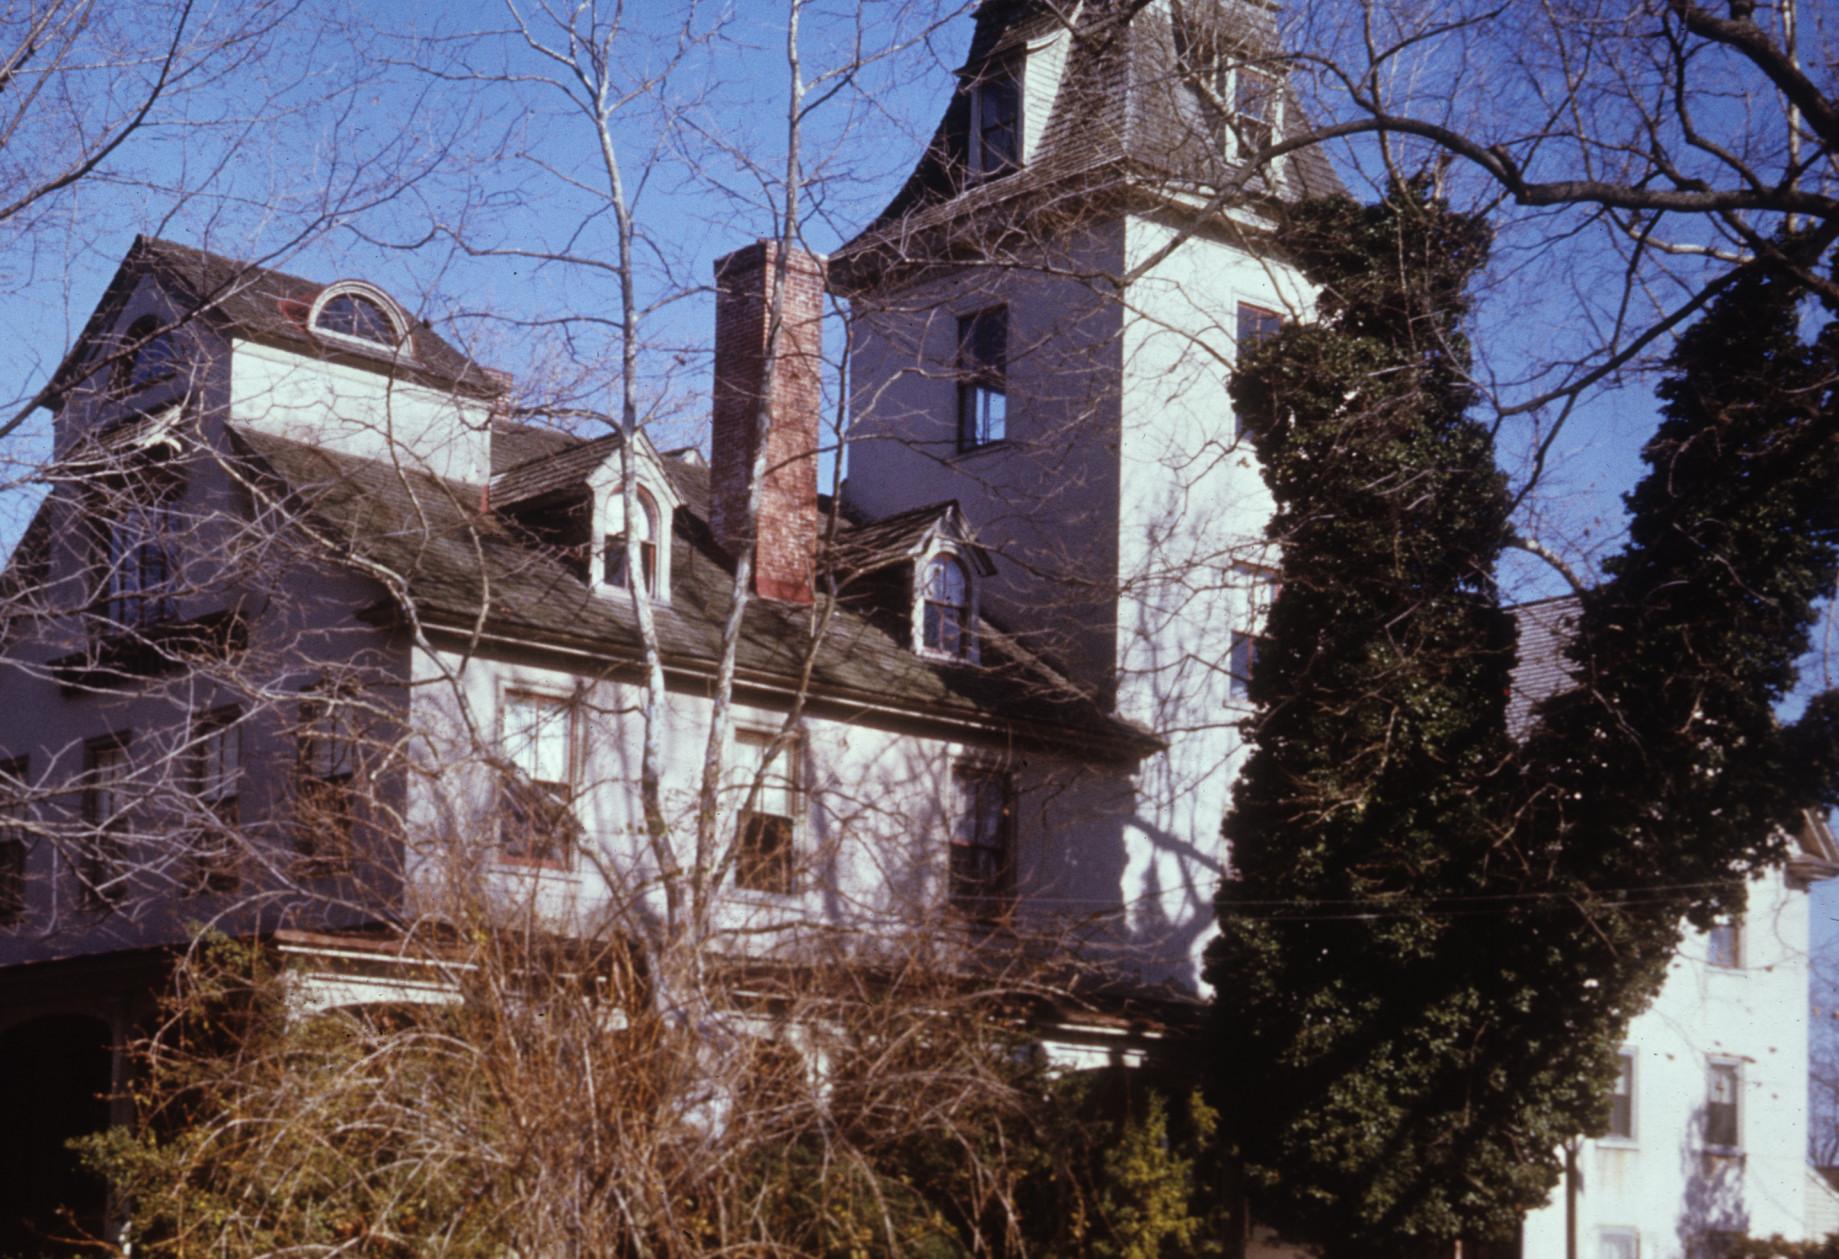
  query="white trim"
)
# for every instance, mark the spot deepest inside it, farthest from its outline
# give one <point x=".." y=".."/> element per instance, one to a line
<point x="934" y="549"/>
<point x="404" y="347"/>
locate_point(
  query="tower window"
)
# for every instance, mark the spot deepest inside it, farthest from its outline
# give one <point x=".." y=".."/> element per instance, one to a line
<point x="996" y="123"/>
<point x="983" y="353"/>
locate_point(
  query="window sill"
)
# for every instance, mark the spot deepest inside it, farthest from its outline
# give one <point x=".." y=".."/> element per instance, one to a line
<point x="984" y="448"/>
<point x="539" y="867"/>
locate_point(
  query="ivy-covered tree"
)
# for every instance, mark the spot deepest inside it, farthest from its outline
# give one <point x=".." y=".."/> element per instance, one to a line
<point x="1437" y="927"/>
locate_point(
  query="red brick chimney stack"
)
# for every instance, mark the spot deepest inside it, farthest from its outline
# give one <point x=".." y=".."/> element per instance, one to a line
<point x="785" y="557"/>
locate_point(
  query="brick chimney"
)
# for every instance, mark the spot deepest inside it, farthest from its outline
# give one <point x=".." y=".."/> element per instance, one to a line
<point x="785" y="557"/>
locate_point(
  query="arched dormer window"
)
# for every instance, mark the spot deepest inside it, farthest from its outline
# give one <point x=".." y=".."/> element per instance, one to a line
<point x="947" y="623"/>
<point x="150" y="356"/>
<point x="355" y="313"/>
<point x="647" y="531"/>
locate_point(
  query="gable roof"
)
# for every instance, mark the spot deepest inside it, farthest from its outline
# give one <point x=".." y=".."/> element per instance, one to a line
<point x="455" y="560"/>
<point x="260" y="304"/>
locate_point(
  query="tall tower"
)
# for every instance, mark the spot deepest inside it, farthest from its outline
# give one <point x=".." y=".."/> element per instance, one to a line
<point x="1044" y="321"/>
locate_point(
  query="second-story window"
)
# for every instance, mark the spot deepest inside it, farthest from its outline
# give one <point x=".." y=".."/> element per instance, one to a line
<point x="1723" y="1096"/>
<point x="983" y="368"/>
<point x="102" y="857"/>
<point x="982" y="868"/>
<point x="996" y="123"/>
<point x="645" y="529"/>
<point x="1256" y="324"/>
<point x="945" y="607"/>
<point x="14" y="841"/>
<point x="217" y="779"/>
<point x="537" y="803"/>
<point x="766" y="829"/>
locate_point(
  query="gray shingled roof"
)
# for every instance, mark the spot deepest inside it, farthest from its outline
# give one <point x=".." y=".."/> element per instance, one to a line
<point x="1124" y="118"/>
<point x="262" y="304"/>
<point x="455" y="559"/>
<point x="562" y="468"/>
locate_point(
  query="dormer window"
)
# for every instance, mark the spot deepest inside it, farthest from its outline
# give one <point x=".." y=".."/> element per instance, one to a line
<point x="149" y="356"/>
<point x="996" y="123"/>
<point x="647" y="530"/>
<point x="358" y="314"/>
<point x="947" y="625"/>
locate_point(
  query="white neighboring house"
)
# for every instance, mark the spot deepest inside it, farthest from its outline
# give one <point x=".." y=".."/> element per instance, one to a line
<point x="1050" y="577"/>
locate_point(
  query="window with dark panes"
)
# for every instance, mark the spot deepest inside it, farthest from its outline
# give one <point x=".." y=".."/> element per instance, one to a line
<point x="1723" y="1095"/>
<point x="983" y="364"/>
<point x="149" y="355"/>
<point x="537" y="822"/>
<point x="982" y="841"/>
<point x="646" y="528"/>
<point x="136" y="528"/>
<point x="217" y="778"/>
<point x="359" y="317"/>
<point x="996" y="122"/>
<point x="766" y="828"/>
<point x="1254" y="105"/>
<point x="1622" y="1099"/>
<point x="325" y="776"/>
<point x="102" y="855"/>
<point x="1256" y="324"/>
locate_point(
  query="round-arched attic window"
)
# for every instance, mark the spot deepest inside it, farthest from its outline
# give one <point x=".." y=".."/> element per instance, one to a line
<point x="349" y="312"/>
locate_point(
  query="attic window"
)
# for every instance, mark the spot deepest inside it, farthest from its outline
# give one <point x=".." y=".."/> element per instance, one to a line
<point x="996" y="123"/>
<point x="149" y="356"/>
<point x="947" y="624"/>
<point x="1241" y="100"/>
<point x="645" y="531"/>
<point x="345" y="312"/>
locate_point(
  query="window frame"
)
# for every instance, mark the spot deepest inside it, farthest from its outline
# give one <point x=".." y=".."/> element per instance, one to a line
<point x="215" y="777"/>
<point x="1728" y="957"/>
<point x="982" y="379"/>
<point x="652" y="554"/>
<point x="515" y="782"/>
<point x="329" y="786"/>
<point x="1717" y="1068"/>
<point x="993" y="900"/>
<point x="134" y="533"/>
<point x="402" y="347"/>
<point x="1629" y="1074"/>
<point x="1254" y="325"/>
<point x="101" y="862"/>
<point x="998" y="79"/>
<point x="924" y="603"/>
<point x="788" y="765"/>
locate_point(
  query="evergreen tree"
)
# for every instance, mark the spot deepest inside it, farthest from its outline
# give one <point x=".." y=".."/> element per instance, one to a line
<point x="1437" y="929"/>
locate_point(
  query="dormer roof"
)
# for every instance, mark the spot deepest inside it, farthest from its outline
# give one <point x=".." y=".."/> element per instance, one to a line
<point x="261" y="304"/>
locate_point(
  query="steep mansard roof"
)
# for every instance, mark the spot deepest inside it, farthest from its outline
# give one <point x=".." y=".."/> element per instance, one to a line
<point x="1125" y="118"/>
<point x="455" y="558"/>
<point x="260" y="304"/>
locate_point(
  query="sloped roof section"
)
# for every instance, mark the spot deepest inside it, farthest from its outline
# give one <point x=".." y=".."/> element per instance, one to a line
<point x="454" y="560"/>
<point x="263" y="304"/>
<point x="1126" y="115"/>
